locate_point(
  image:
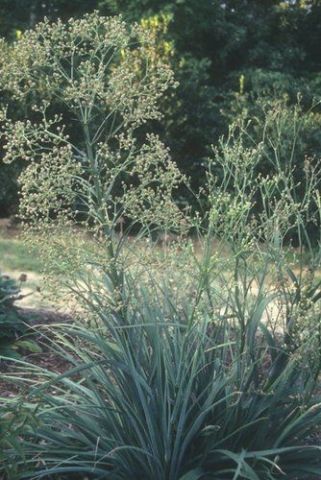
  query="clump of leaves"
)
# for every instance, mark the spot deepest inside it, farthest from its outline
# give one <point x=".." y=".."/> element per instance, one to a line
<point x="158" y="399"/>
<point x="13" y="325"/>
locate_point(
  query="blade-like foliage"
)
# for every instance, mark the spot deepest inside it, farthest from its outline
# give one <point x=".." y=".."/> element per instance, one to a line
<point x="156" y="399"/>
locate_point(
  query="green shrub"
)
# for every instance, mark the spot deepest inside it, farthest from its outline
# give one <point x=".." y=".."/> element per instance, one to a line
<point x="9" y="291"/>
<point x="14" y="328"/>
<point x="11" y="323"/>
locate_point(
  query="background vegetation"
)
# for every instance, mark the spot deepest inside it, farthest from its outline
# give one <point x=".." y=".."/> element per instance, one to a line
<point x="232" y="59"/>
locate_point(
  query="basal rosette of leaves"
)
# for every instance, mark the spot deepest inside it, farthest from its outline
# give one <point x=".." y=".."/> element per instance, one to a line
<point x="158" y="399"/>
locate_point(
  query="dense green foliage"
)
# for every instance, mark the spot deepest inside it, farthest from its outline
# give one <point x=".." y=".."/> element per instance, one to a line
<point x="158" y="399"/>
<point x="12" y="325"/>
<point x="21" y="14"/>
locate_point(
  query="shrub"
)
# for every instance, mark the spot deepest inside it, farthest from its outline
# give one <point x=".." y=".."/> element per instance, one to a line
<point x="193" y="377"/>
<point x="14" y="328"/>
<point x="12" y="325"/>
<point x="9" y="189"/>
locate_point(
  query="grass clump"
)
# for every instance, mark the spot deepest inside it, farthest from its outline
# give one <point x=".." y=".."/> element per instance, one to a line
<point x="157" y="399"/>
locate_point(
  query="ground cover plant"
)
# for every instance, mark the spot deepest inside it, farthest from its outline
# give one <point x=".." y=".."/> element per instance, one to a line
<point x="16" y="334"/>
<point x="196" y="356"/>
<point x="12" y="325"/>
